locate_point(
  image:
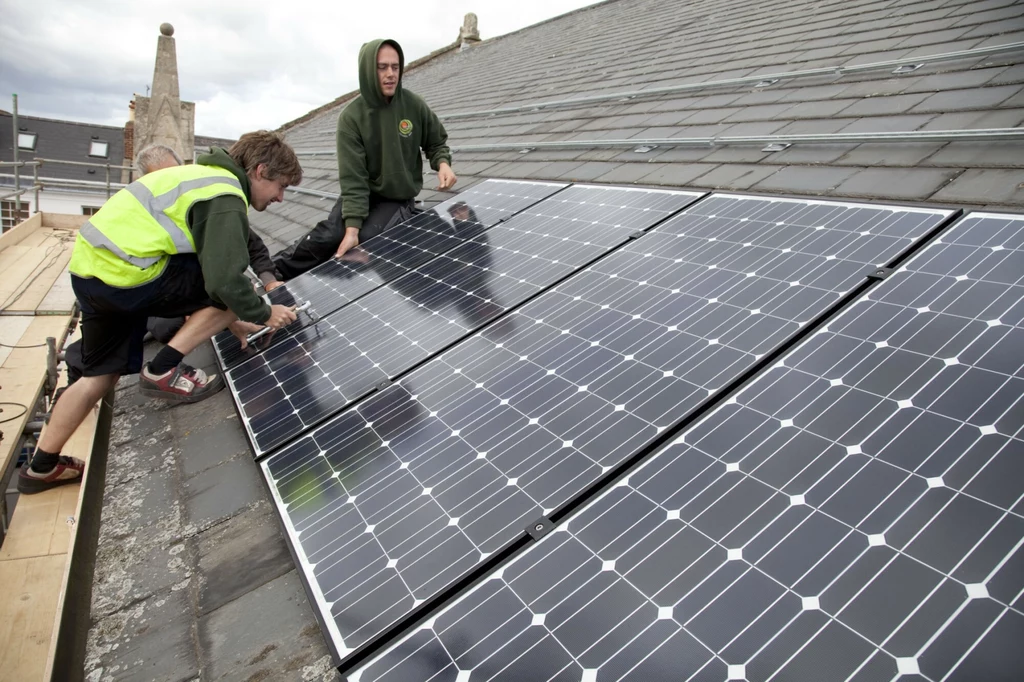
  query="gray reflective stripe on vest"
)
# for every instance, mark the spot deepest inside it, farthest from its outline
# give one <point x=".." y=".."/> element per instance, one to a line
<point x="98" y="240"/>
<point x="156" y="205"/>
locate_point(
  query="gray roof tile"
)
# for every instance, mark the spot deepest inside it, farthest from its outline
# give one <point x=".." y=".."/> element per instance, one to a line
<point x="755" y="128"/>
<point x="974" y="98"/>
<point x="805" y="179"/>
<point x="675" y="174"/>
<point x="874" y="106"/>
<point x="1014" y="101"/>
<point x="811" y="154"/>
<point x="886" y="154"/>
<point x="737" y="154"/>
<point x="979" y="154"/>
<point x="877" y="88"/>
<point x="930" y="39"/>
<point x="984" y="186"/>
<point x="591" y="170"/>
<point x="875" y="124"/>
<point x="703" y="116"/>
<point x="625" y="173"/>
<point x="759" y="113"/>
<point x="958" y="79"/>
<point x="735" y="176"/>
<point x="912" y="184"/>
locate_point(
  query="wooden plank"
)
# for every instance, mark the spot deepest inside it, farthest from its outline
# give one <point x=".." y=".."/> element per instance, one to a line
<point x="61" y="297"/>
<point x="63" y="221"/>
<point x="11" y="330"/>
<point x="23" y="375"/>
<point x="39" y="525"/>
<point x="18" y="232"/>
<point x="58" y="255"/>
<point x="18" y="263"/>
<point x="82" y="447"/>
<point x="37" y="238"/>
<point x="31" y="591"/>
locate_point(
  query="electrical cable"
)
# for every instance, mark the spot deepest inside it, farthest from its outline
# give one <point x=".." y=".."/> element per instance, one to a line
<point x="24" y="411"/>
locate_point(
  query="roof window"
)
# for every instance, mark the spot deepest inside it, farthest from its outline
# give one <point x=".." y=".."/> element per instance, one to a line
<point x="98" y="148"/>
<point x="27" y="141"/>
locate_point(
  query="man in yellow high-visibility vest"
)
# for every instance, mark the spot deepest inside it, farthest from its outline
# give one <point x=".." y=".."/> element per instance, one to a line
<point x="171" y="243"/>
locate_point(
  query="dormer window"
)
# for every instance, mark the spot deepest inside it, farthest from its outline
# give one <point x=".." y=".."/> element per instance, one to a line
<point x="98" y="148"/>
<point x="27" y="141"/>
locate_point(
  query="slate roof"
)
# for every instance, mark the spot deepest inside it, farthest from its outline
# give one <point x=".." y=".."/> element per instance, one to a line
<point x="629" y="45"/>
<point x="203" y="142"/>
<point x="63" y="140"/>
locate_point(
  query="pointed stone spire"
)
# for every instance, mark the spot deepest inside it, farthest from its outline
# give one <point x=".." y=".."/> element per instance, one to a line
<point x="164" y="123"/>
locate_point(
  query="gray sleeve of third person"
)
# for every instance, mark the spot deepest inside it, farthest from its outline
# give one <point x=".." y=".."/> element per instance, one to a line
<point x="259" y="258"/>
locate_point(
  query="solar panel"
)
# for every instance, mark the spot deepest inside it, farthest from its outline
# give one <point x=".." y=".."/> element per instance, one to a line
<point x="393" y="253"/>
<point x="393" y="501"/>
<point x="853" y="514"/>
<point x="320" y="370"/>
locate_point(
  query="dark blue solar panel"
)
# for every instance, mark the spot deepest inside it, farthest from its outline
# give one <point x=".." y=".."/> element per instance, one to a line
<point x="856" y="513"/>
<point x="394" y="500"/>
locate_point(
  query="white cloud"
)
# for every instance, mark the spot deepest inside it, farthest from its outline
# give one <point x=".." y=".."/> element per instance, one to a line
<point x="245" y="65"/>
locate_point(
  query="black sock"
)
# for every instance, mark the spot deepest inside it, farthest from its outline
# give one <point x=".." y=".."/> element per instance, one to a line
<point x="166" y="360"/>
<point x="43" y="461"/>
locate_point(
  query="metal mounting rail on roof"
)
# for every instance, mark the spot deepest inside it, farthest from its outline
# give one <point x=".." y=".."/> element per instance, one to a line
<point x="1004" y="134"/>
<point x="312" y="192"/>
<point x="644" y="144"/>
<point x="768" y="79"/>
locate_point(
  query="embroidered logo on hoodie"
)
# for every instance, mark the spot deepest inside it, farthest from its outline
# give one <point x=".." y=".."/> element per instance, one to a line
<point x="405" y="127"/>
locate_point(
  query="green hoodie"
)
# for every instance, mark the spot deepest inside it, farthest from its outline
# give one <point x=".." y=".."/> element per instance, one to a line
<point x="220" y="228"/>
<point x="379" y="142"/>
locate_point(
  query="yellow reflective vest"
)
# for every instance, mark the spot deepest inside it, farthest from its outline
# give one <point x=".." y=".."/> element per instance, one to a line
<point x="128" y="241"/>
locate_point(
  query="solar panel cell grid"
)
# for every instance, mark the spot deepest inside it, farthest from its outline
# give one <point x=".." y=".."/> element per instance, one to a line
<point x="320" y="370"/>
<point x="516" y="420"/>
<point x="853" y="514"/>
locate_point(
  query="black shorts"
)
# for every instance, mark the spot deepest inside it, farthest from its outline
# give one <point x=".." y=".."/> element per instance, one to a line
<point x="114" y="320"/>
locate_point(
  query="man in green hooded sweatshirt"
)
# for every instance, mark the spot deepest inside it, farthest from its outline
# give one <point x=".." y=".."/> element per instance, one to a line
<point x="381" y="136"/>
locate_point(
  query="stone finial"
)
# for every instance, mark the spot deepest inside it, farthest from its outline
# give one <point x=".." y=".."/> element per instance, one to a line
<point x="468" y="32"/>
<point x="166" y="29"/>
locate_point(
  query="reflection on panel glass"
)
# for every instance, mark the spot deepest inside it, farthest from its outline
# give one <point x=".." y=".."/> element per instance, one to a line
<point x="454" y="461"/>
<point x="392" y="254"/>
<point x="321" y="369"/>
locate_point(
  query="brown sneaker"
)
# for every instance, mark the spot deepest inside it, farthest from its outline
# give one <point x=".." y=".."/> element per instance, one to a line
<point x="67" y="470"/>
<point x="183" y="384"/>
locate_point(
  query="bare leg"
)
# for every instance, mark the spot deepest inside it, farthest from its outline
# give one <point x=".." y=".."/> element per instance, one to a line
<point x="72" y="408"/>
<point x="199" y="327"/>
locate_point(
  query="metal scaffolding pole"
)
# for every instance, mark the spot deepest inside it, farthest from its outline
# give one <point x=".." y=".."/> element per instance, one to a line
<point x="17" y="174"/>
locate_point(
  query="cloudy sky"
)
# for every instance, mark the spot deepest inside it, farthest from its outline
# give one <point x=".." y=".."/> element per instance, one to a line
<point x="246" y="65"/>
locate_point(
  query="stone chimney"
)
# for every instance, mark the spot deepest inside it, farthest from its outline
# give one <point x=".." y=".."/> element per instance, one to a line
<point x="162" y="118"/>
<point x="129" y="133"/>
<point x="469" y="34"/>
<point x="129" y="143"/>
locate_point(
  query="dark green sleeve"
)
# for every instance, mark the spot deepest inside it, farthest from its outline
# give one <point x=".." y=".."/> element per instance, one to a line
<point x="353" y="174"/>
<point x="220" y="229"/>
<point x="435" y="139"/>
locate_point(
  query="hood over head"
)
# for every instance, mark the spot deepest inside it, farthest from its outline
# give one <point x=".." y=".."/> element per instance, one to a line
<point x="369" y="86"/>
